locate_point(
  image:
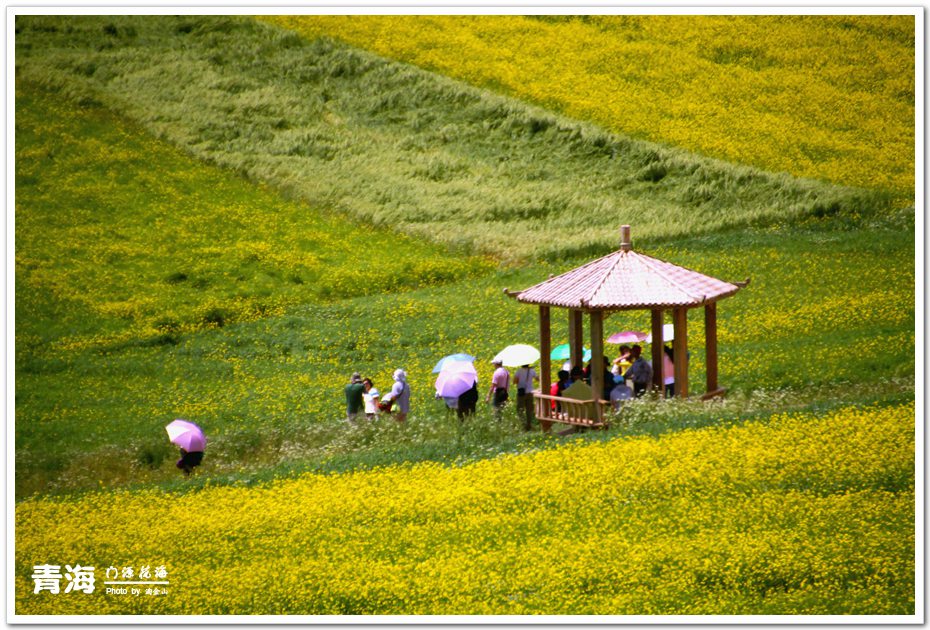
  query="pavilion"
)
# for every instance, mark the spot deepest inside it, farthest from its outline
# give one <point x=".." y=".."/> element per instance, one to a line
<point x="622" y="281"/>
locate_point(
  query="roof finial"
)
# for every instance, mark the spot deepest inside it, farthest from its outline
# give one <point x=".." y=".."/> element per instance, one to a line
<point x="625" y="238"/>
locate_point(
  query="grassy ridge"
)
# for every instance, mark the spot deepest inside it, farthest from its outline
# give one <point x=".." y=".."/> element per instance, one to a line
<point x="111" y="250"/>
<point x="396" y="146"/>
<point x="806" y="514"/>
<point x="826" y="96"/>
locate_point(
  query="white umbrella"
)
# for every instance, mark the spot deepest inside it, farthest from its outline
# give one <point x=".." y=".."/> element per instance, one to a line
<point x="668" y="333"/>
<point x="517" y="355"/>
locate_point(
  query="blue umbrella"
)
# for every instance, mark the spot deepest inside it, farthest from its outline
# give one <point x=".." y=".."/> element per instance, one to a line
<point x="560" y="353"/>
<point x="452" y="357"/>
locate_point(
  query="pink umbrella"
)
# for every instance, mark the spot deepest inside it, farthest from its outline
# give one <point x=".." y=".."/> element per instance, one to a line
<point x="454" y="384"/>
<point x="459" y="367"/>
<point x="187" y="435"/>
<point x="456" y="378"/>
<point x="627" y="336"/>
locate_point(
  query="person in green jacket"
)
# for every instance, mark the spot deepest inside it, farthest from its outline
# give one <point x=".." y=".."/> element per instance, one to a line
<point x="355" y="402"/>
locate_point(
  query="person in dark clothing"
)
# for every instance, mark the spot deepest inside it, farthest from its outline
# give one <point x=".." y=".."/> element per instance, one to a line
<point x="189" y="459"/>
<point x="608" y="379"/>
<point x="355" y="402"/>
<point x="468" y="402"/>
<point x="640" y="372"/>
<point x="577" y="374"/>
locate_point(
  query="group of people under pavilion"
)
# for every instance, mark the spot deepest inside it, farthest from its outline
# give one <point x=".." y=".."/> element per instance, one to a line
<point x="626" y="280"/>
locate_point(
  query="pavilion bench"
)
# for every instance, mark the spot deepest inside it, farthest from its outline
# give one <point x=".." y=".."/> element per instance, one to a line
<point x="578" y="413"/>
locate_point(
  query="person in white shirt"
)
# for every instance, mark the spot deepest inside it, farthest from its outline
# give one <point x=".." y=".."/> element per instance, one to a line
<point x="370" y="396"/>
<point x="525" y="376"/>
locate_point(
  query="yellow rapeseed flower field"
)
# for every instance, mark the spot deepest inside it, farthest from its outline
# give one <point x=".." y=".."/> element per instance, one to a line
<point x="800" y="514"/>
<point x="829" y="97"/>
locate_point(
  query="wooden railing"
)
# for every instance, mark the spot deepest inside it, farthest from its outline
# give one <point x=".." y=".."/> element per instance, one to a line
<point x="582" y="413"/>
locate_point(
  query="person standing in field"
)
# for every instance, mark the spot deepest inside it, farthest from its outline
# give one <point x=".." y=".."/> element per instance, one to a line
<point x="468" y="402"/>
<point x="399" y="395"/>
<point x="354" y="398"/>
<point x="370" y="396"/>
<point x="640" y="372"/>
<point x="524" y="378"/>
<point x="500" y="383"/>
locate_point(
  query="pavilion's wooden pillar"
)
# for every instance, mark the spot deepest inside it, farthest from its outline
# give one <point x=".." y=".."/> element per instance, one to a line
<point x="680" y="351"/>
<point x="576" y="337"/>
<point x="710" y="336"/>
<point x="657" y="344"/>
<point x="597" y="357"/>
<point x="545" y="341"/>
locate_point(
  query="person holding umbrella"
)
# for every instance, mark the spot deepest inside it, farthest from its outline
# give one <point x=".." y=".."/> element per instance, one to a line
<point x="190" y="438"/>
<point x="468" y="402"/>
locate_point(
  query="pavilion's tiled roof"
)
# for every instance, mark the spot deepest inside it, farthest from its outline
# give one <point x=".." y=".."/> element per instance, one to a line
<point x="627" y="280"/>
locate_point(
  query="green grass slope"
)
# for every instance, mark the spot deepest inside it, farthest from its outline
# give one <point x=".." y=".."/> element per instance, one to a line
<point x="126" y="239"/>
<point x="396" y="146"/>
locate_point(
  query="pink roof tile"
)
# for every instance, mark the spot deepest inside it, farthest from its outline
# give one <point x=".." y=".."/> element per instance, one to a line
<point x="627" y="280"/>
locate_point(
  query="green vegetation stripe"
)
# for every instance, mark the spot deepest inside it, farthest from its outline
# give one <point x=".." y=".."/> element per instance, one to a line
<point x="396" y="146"/>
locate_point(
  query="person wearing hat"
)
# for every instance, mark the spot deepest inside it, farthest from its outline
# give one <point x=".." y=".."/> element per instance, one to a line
<point x="500" y="383"/>
<point x="355" y="401"/>
<point x="399" y="395"/>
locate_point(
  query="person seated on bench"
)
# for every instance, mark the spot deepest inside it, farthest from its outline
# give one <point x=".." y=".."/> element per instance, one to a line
<point x="557" y="388"/>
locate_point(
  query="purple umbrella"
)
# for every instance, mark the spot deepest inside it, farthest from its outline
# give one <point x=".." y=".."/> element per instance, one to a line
<point x="454" y="384"/>
<point x="187" y="435"/>
<point x="452" y="358"/>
